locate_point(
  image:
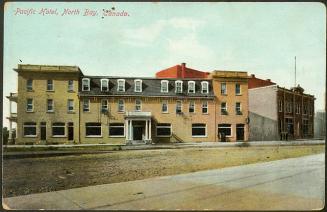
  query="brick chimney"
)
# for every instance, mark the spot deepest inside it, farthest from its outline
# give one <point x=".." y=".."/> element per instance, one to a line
<point x="252" y="75"/>
<point x="268" y="80"/>
<point x="183" y="69"/>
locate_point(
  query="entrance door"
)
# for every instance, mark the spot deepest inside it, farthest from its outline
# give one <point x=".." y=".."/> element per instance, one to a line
<point x="70" y="131"/>
<point x="137" y="133"/>
<point x="240" y="132"/>
<point x="43" y="130"/>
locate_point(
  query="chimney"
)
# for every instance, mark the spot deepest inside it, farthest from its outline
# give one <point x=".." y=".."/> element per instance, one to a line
<point x="268" y="80"/>
<point x="252" y="75"/>
<point x="183" y="69"/>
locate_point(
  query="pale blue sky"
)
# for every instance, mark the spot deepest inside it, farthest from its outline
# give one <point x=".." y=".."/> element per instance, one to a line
<point x="260" y="38"/>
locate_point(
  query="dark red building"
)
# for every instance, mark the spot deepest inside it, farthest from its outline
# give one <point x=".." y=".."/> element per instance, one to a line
<point x="181" y="71"/>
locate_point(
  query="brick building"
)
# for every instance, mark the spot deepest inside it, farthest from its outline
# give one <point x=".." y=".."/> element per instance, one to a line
<point x="59" y="104"/>
<point x="277" y="112"/>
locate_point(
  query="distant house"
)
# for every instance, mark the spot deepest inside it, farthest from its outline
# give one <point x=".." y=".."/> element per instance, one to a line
<point x="277" y="112"/>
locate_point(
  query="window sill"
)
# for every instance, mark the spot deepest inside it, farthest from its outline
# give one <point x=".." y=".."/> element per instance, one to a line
<point x="205" y="113"/>
<point x="71" y="112"/>
<point x="59" y="136"/>
<point x="51" y="91"/>
<point x="93" y="136"/>
<point x="29" y="111"/>
<point x="85" y="90"/>
<point x="30" y="136"/>
<point x="165" y="112"/>
<point x="116" y="136"/>
<point x="238" y="94"/>
<point x="199" y="136"/>
<point x="50" y="111"/>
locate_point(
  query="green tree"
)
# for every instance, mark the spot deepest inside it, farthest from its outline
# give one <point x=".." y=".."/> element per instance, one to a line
<point x="5" y="135"/>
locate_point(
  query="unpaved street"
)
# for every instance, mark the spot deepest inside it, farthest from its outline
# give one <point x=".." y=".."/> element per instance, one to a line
<point x="35" y="175"/>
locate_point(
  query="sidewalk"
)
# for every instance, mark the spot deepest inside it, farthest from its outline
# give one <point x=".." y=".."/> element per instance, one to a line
<point x="70" y="148"/>
<point x="274" y="185"/>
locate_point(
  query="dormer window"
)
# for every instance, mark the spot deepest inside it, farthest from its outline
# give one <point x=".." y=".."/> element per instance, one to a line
<point x="191" y="86"/>
<point x="164" y="86"/>
<point x="138" y="85"/>
<point x="104" y="85"/>
<point x="121" y="85"/>
<point x="205" y="87"/>
<point x="178" y="86"/>
<point x="85" y="84"/>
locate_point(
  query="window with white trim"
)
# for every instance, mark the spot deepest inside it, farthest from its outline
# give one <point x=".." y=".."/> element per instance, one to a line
<point x="191" y="107"/>
<point x="178" y="86"/>
<point x="205" y="107"/>
<point x="116" y="130"/>
<point x="205" y="87"/>
<point x="164" y="86"/>
<point x="224" y="130"/>
<point x="70" y="86"/>
<point x="191" y="86"/>
<point x="138" y="85"/>
<point x="164" y="106"/>
<point x="104" y="85"/>
<point x="86" y="105"/>
<point x="50" y="105"/>
<point x="70" y="105"/>
<point x="29" y="105"/>
<point x="238" y="109"/>
<point x="29" y="85"/>
<point x="163" y="130"/>
<point x="121" y="105"/>
<point x="223" y="88"/>
<point x="121" y="85"/>
<point x="223" y="108"/>
<point x="237" y="89"/>
<point x="29" y="129"/>
<point x="50" y="85"/>
<point x="179" y="106"/>
<point x="58" y="129"/>
<point x="93" y="129"/>
<point x="104" y="105"/>
<point x="138" y="105"/>
<point x="85" y="84"/>
<point x="199" y="130"/>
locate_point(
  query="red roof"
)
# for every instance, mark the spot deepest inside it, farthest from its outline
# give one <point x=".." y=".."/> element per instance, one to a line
<point x="181" y="71"/>
<point x="256" y="82"/>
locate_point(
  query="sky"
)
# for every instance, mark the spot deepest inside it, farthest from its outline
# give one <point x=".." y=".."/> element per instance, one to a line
<point x="260" y="38"/>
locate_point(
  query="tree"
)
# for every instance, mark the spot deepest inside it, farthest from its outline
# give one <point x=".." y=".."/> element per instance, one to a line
<point x="5" y="135"/>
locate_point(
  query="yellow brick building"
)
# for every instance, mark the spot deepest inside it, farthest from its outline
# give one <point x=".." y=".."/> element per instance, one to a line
<point x="59" y="104"/>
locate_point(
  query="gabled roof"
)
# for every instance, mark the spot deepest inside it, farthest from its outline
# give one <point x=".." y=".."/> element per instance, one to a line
<point x="181" y="71"/>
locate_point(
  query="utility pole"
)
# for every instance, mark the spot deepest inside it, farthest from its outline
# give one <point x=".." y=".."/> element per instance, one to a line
<point x="295" y="72"/>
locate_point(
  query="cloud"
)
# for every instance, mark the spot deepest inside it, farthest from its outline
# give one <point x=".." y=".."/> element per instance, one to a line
<point x="147" y="35"/>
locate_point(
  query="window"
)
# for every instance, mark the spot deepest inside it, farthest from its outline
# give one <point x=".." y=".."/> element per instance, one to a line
<point x="191" y="107"/>
<point x="163" y="130"/>
<point x="223" y="108"/>
<point x="86" y="105"/>
<point x="50" y="105"/>
<point x="29" y="85"/>
<point x="178" y="86"/>
<point x="205" y="87"/>
<point x="121" y="106"/>
<point x="224" y="129"/>
<point x="93" y="129"/>
<point x="223" y="89"/>
<point x="199" y="130"/>
<point x="298" y="108"/>
<point x="164" y="107"/>
<point x="191" y="86"/>
<point x="178" y="106"/>
<point x="164" y="86"/>
<point x="50" y="85"/>
<point x="237" y="89"/>
<point x="70" y="85"/>
<point x="138" y="85"/>
<point x="29" y="105"/>
<point x="116" y="130"/>
<point x="138" y="105"/>
<point x="104" y="85"/>
<point x="280" y="106"/>
<point x="85" y="84"/>
<point x="121" y="85"/>
<point x="305" y="109"/>
<point x="29" y="129"/>
<point x="205" y="107"/>
<point x="58" y="129"/>
<point x="104" y="105"/>
<point x="238" y="109"/>
<point x="70" y="105"/>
